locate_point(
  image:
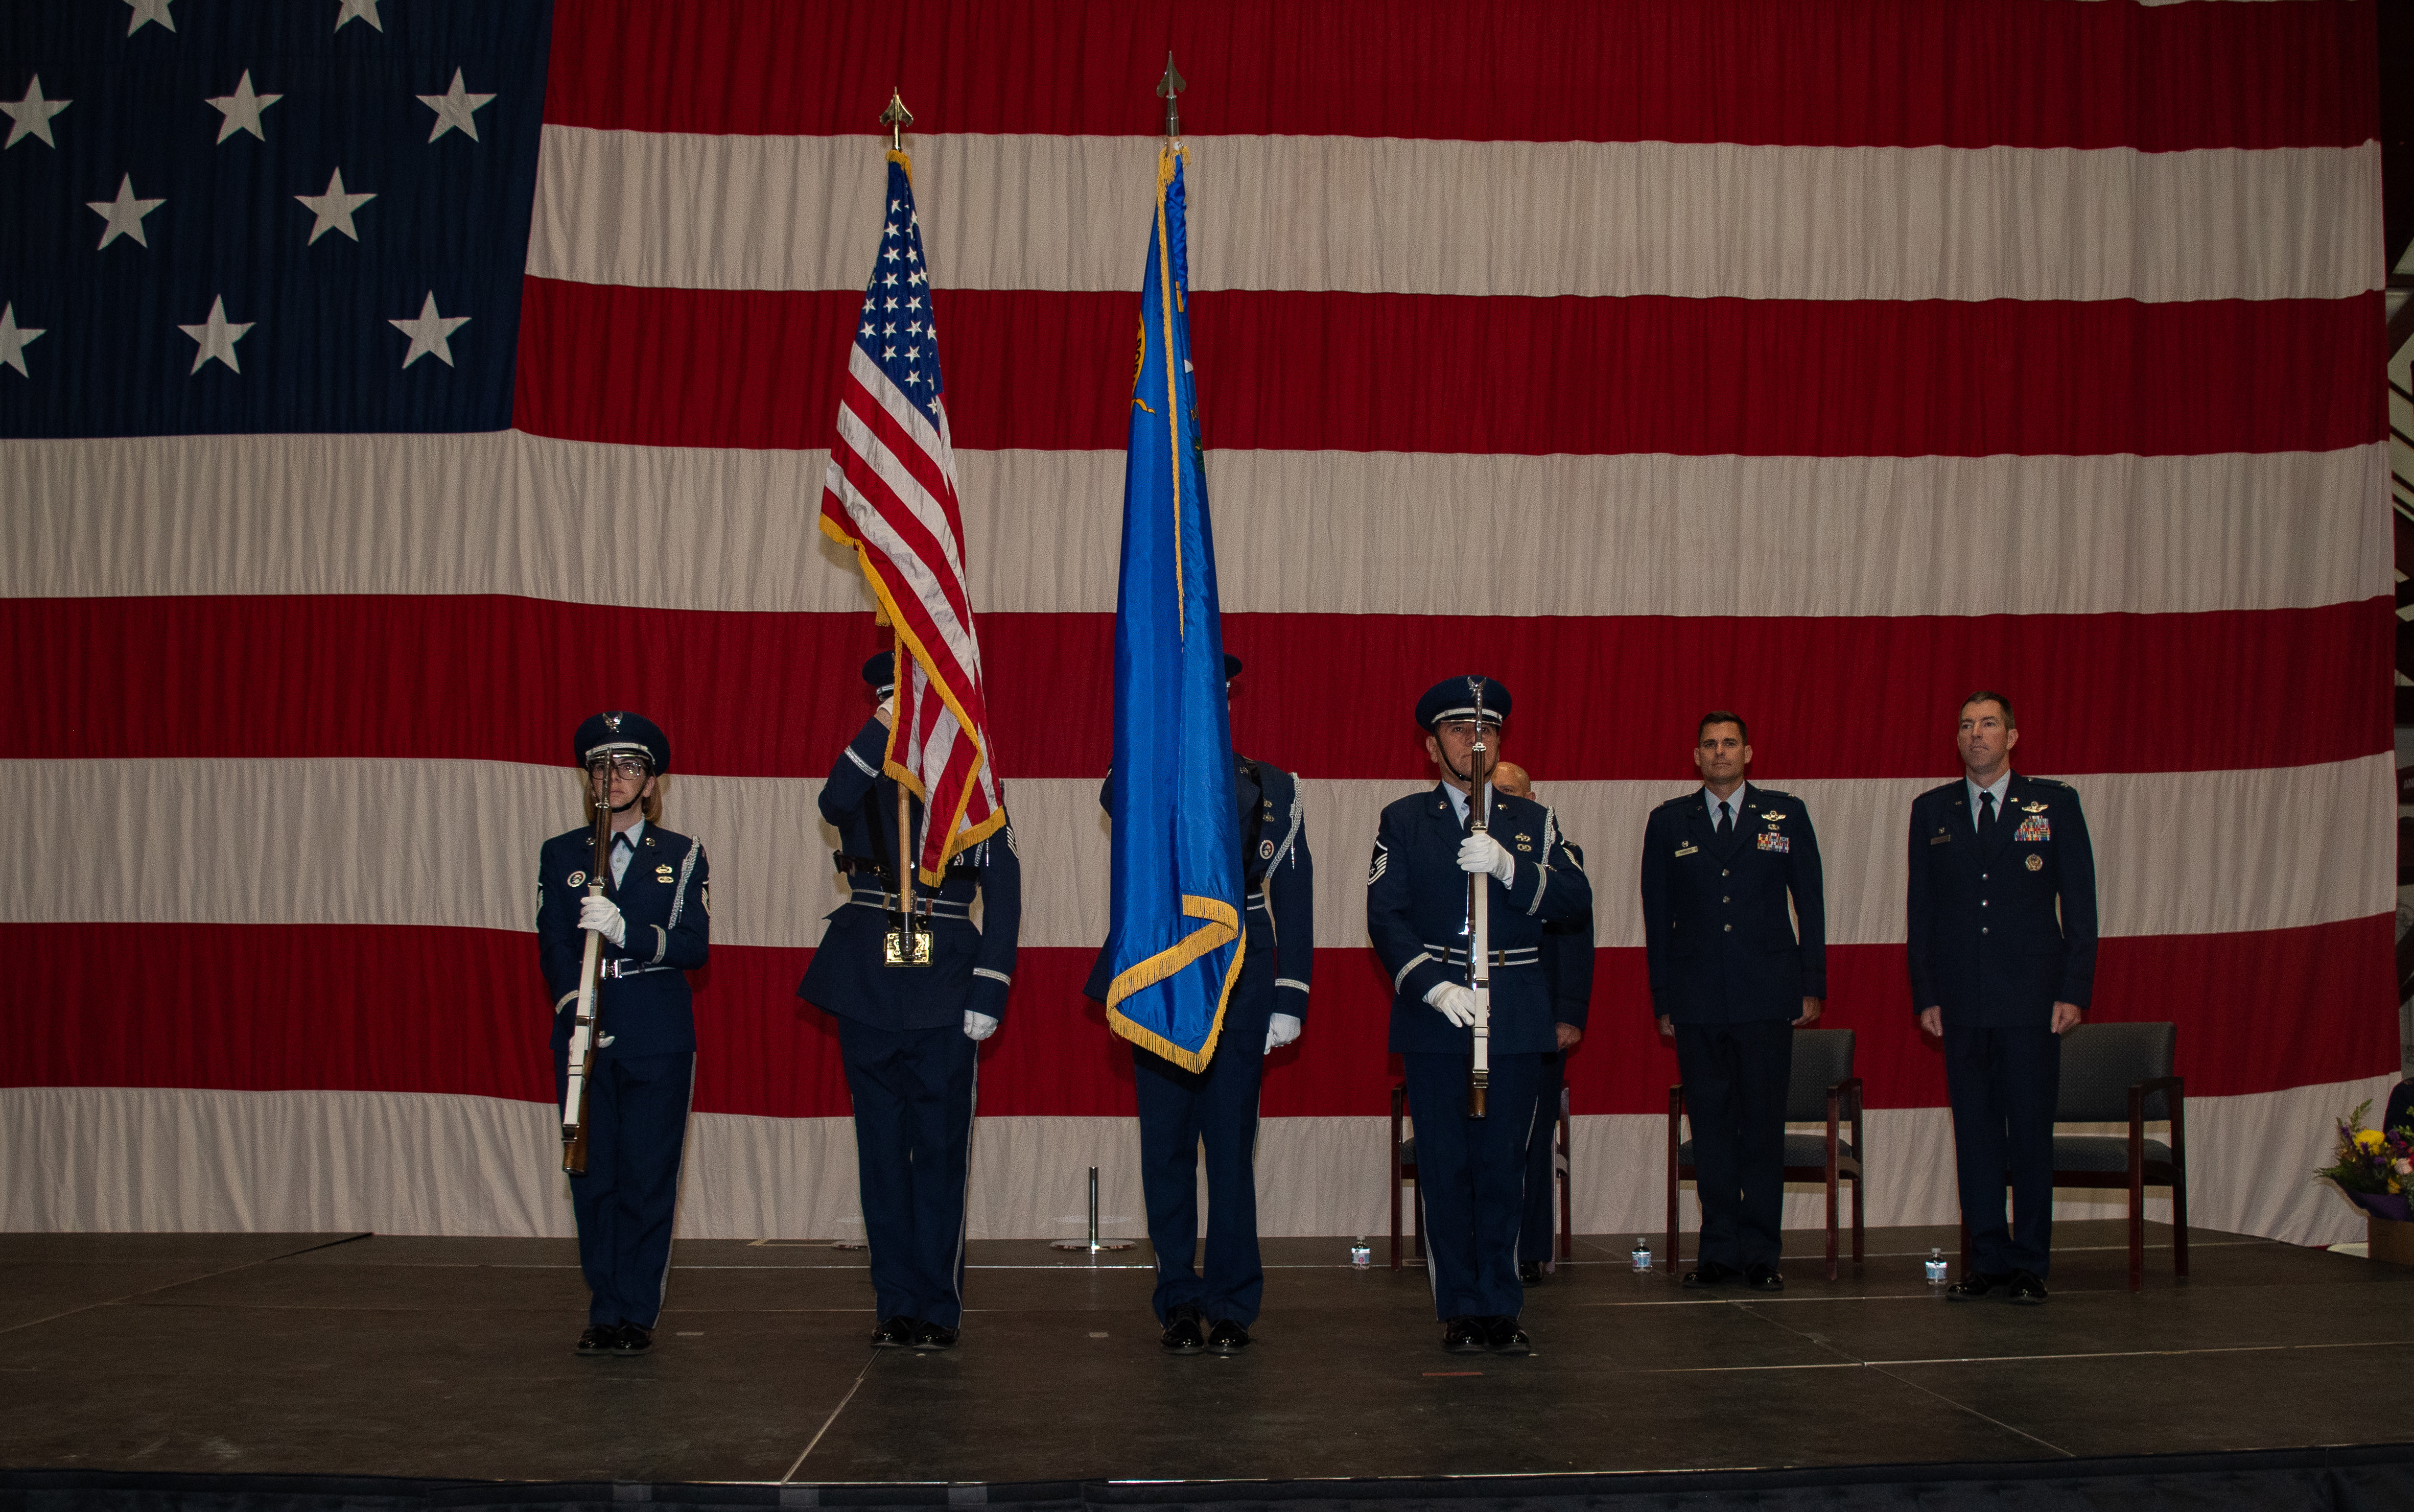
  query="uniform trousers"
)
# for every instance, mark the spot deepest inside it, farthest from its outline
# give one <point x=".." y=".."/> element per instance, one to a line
<point x="2004" y="1083"/>
<point x="914" y="1091"/>
<point x="637" y="1131"/>
<point x="1471" y="1179"/>
<point x="1538" y="1241"/>
<point x="1179" y="1111"/>
<point x="1736" y="1078"/>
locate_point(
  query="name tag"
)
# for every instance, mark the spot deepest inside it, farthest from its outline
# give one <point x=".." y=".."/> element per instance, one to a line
<point x="1688" y="849"/>
<point x="2033" y="830"/>
<point x="1771" y="840"/>
<point x="1941" y="839"/>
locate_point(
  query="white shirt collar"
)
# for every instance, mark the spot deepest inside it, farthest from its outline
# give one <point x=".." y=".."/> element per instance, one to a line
<point x="1458" y="800"/>
<point x="2001" y="788"/>
<point x="1735" y="803"/>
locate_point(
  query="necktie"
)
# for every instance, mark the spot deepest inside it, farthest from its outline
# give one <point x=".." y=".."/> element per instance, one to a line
<point x="1986" y="816"/>
<point x="1726" y="818"/>
<point x="621" y="852"/>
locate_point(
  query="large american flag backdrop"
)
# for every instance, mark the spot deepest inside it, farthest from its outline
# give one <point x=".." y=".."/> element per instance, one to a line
<point x="1822" y="361"/>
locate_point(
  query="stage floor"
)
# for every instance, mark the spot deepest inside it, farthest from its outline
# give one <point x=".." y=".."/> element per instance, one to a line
<point x="430" y="1358"/>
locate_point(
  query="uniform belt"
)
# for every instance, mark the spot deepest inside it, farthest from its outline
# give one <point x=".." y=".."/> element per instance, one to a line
<point x="1513" y="956"/>
<point x="609" y="969"/>
<point x="936" y="907"/>
<point x="864" y="865"/>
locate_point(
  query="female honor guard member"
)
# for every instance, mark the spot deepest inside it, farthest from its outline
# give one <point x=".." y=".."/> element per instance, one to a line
<point x="1471" y="1171"/>
<point x="908" y="1033"/>
<point x="654" y="917"/>
<point x="1178" y="1108"/>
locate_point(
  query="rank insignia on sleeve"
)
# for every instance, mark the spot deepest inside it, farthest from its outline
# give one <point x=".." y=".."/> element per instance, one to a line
<point x="2033" y="830"/>
<point x="2036" y="862"/>
<point x="1771" y="840"/>
<point x="578" y="878"/>
<point x="704" y="894"/>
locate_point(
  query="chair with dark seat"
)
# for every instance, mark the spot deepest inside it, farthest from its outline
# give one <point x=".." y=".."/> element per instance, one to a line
<point x="2122" y="1074"/>
<point x="1404" y="1168"/>
<point x="1823" y="1088"/>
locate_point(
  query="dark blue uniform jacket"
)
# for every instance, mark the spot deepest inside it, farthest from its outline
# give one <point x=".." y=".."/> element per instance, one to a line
<point x="1279" y="876"/>
<point x="1987" y="942"/>
<point x="1568" y="961"/>
<point x="971" y="968"/>
<point x="1716" y="929"/>
<point x="1416" y="914"/>
<point x="665" y="897"/>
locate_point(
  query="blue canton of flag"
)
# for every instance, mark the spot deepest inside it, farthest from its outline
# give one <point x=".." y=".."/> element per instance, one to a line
<point x="311" y="216"/>
<point x="1174" y="945"/>
<point x="898" y="331"/>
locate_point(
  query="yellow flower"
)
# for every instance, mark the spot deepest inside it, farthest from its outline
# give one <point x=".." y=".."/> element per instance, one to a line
<point x="2369" y="1140"/>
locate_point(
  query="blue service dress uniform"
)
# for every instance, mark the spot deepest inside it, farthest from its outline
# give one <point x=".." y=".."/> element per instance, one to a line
<point x="2000" y="928"/>
<point x="1471" y="1171"/>
<point x="645" y="1053"/>
<point x="910" y="1069"/>
<point x="1566" y="965"/>
<point x="1728" y="974"/>
<point x="1179" y="1109"/>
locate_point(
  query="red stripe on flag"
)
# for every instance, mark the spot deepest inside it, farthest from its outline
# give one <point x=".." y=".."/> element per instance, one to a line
<point x="1327" y="695"/>
<point x="1887" y="73"/>
<point x="1429" y="373"/>
<point x="395" y="1009"/>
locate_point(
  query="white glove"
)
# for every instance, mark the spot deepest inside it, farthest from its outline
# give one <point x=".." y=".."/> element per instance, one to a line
<point x="886" y="712"/>
<point x="1481" y="852"/>
<point x="1457" y="1003"/>
<point x="1281" y="1030"/>
<point x="978" y="1025"/>
<point x="603" y="915"/>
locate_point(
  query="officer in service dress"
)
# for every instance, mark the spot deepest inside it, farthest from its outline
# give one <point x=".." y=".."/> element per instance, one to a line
<point x="2003" y="959"/>
<point x="1471" y="1171"/>
<point x="1730" y="984"/>
<point x="1180" y="1109"/>
<point x="909" y="1034"/>
<point x="1566" y="965"/>
<point x="654" y="916"/>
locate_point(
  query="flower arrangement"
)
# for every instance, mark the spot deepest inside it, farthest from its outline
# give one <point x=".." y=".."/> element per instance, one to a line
<point x="2373" y="1166"/>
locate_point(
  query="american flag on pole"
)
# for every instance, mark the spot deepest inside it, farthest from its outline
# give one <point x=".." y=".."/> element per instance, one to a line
<point x="890" y="494"/>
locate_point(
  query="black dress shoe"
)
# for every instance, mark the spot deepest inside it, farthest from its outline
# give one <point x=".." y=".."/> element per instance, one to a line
<point x="1466" y="1336"/>
<point x="935" y="1336"/>
<point x="1529" y="1272"/>
<point x="1186" y="1332"/>
<point x="1228" y="1338"/>
<point x="598" y="1339"/>
<point x="1710" y="1273"/>
<point x="631" y="1340"/>
<point x="1763" y="1278"/>
<point x="1972" y="1286"/>
<point x="2026" y="1289"/>
<point x="1505" y="1338"/>
<point x="895" y="1333"/>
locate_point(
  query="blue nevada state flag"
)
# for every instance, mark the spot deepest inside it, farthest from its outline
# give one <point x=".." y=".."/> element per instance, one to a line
<point x="1174" y="950"/>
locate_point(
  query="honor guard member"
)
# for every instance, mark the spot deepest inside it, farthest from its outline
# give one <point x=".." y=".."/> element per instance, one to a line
<point x="1567" y="966"/>
<point x="2002" y="960"/>
<point x="1471" y="1171"/>
<point x="655" y="919"/>
<point x="1730" y="983"/>
<point x="909" y="1033"/>
<point x="1179" y="1109"/>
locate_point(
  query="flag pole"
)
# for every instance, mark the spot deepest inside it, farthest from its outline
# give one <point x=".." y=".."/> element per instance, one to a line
<point x="905" y="947"/>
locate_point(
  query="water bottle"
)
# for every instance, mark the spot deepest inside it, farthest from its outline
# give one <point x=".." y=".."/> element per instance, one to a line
<point x="1642" y="1254"/>
<point x="1362" y="1254"/>
<point x="1936" y="1268"/>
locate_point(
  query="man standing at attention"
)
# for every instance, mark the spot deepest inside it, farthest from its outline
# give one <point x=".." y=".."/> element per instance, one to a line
<point x="2002" y="960"/>
<point x="1731" y="983"/>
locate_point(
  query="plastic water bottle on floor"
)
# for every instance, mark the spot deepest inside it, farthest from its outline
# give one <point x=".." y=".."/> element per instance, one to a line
<point x="1642" y="1254"/>
<point x="1936" y="1268"/>
<point x="1362" y="1254"/>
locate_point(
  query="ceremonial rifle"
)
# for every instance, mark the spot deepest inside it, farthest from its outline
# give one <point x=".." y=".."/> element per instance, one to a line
<point x="581" y="1058"/>
<point x="1479" y="919"/>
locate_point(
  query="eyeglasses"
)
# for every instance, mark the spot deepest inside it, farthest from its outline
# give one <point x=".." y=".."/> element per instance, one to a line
<point x="628" y="767"/>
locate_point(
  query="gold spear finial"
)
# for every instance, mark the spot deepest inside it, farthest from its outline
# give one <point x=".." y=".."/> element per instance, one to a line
<point x="896" y="118"/>
<point x="1165" y="91"/>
